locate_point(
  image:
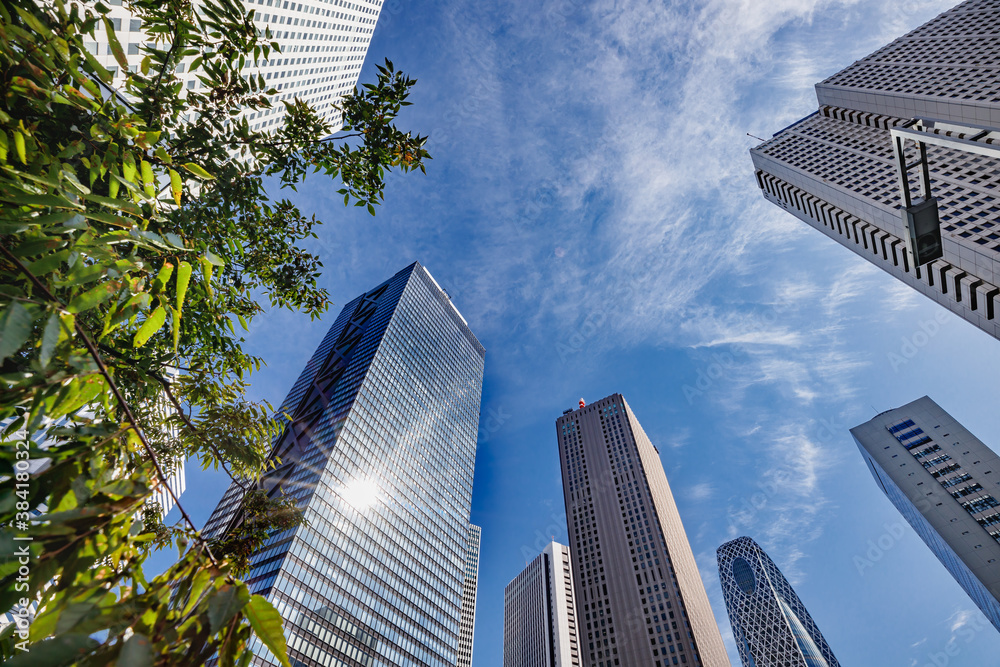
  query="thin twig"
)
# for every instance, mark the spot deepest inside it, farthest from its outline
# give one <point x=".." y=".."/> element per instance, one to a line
<point x="177" y="407"/>
<point x="118" y="397"/>
<point x="187" y="422"/>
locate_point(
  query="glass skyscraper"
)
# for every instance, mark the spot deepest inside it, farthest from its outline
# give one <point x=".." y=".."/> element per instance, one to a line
<point x="946" y="483"/>
<point x="771" y="626"/>
<point x="378" y="447"/>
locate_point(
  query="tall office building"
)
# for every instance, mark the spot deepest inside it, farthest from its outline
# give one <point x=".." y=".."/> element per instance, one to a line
<point x="323" y="46"/>
<point x="946" y="484"/>
<point x="640" y="600"/>
<point x="467" y="623"/>
<point x="378" y="448"/>
<point x="771" y="626"/>
<point x="903" y="155"/>
<point x="540" y="625"/>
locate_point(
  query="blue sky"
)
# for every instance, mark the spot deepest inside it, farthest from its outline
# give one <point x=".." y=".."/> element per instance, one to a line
<point x="592" y="210"/>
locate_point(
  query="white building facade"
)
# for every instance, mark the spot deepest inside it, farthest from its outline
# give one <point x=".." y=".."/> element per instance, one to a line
<point x="323" y="46"/>
<point x="946" y="483"/>
<point x="467" y="621"/>
<point x="540" y="625"/>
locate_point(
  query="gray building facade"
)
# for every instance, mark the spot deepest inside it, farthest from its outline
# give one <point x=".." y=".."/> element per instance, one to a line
<point x="379" y="447"/>
<point x="771" y="626"/>
<point x="841" y="170"/>
<point x="540" y="627"/>
<point x="467" y="624"/>
<point x="640" y="598"/>
<point x="946" y="483"/>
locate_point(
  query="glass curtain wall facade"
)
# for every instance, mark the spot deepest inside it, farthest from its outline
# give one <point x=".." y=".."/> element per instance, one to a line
<point x="771" y="626"/>
<point x="379" y="448"/>
<point x="640" y="598"/>
<point x="946" y="483"/>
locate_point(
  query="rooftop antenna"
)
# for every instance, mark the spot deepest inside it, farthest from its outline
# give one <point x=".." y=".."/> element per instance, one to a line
<point x="755" y="137"/>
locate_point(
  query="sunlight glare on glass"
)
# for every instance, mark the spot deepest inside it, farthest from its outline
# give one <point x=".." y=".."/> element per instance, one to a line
<point x="360" y="494"/>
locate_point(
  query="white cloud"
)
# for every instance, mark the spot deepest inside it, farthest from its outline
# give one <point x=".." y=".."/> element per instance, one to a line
<point x="702" y="491"/>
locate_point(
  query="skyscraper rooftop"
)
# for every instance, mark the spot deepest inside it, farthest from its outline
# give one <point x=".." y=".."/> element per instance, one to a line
<point x="771" y="626"/>
<point x="379" y="448"/>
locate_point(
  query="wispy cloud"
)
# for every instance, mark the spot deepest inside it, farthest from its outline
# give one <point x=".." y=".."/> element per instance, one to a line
<point x="700" y="492"/>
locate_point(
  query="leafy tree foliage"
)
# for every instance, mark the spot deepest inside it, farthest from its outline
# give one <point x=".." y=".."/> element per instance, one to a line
<point x="135" y="245"/>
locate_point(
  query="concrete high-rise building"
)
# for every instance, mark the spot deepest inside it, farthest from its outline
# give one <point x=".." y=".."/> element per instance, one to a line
<point x="903" y="155"/>
<point x="378" y="447"/>
<point x="946" y="484"/>
<point x="467" y="624"/>
<point x="323" y="46"/>
<point x="639" y="597"/>
<point x="771" y="626"/>
<point x="540" y="625"/>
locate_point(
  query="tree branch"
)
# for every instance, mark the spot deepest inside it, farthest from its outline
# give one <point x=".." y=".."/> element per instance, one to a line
<point x="95" y="355"/>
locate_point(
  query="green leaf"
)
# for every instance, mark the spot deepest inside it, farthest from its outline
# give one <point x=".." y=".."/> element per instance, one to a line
<point x="150" y="326"/>
<point x="50" y="338"/>
<point x="225" y="604"/>
<point x="49" y="263"/>
<point x="212" y="258"/>
<point x="183" y="278"/>
<point x="176" y="187"/>
<point x="177" y="327"/>
<point x="55" y="652"/>
<point x="199" y="171"/>
<point x="148" y="182"/>
<point x="38" y="200"/>
<point x="162" y="278"/>
<point x="15" y="327"/>
<point x="116" y="47"/>
<point x="266" y="623"/>
<point x="128" y="167"/>
<point x="74" y="396"/>
<point x="137" y="652"/>
<point x="19" y="146"/>
<point x="73" y="615"/>
<point x="94" y="297"/>
<point x="34" y="23"/>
